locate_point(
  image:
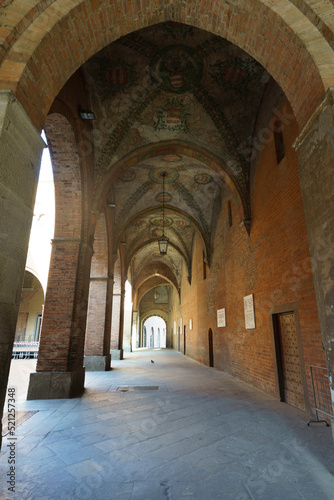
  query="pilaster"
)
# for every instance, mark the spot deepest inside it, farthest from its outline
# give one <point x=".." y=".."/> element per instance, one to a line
<point x="20" y="155"/>
<point x="315" y="146"/>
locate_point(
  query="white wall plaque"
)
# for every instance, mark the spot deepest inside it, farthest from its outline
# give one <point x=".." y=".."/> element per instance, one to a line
<point x="221" y="318"/>
<point x="181" y="326"/>
<point x="190" y="324"/>
<point x="249" y="312"/>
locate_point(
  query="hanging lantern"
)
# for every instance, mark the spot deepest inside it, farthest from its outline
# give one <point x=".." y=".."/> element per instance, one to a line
<point x="163" y="245"/>
<point x="163" y="241"/>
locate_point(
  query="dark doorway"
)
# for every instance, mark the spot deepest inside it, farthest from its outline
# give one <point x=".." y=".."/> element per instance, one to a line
<point x="178" y="339"/>
<point x="288" y="359"/>
<point x="210" y="348"/>
<point x="184" y="339"/>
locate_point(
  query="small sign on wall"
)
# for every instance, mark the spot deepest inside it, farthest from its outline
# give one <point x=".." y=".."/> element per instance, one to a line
<point x="181" y="326"/>
<point x="249" y="312"/>
<point x="190" y="324"/>
<point x="221" y="318"/>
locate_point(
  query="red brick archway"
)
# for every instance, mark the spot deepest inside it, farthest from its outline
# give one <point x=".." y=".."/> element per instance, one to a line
<point x="44" y="48"/>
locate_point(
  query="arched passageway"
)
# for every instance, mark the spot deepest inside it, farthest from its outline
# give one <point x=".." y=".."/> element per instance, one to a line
<point x="157" y="326"/>
<point x="31" y="308"/>
<point x="203" y="138"/>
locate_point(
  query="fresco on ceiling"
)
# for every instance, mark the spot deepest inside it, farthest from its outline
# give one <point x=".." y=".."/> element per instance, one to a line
<point x="180" y="183"/>
<point x="171" y="174"/>
<point x="203" y="178"/>
<point x="127" y="175"/>
<point x="171" y="158"/>
<point x="173" y="117"/>
<point x="163" y="197"/>
<point x="159" y="221"/>
<point x="176" y="68"/>
<point x="172" y="81"/>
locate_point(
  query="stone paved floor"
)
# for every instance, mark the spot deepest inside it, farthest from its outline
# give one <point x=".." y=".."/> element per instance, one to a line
<point x="203" y="435"/>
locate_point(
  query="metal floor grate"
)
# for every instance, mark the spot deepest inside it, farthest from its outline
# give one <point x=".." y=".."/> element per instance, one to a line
<point x="125" y="388"/>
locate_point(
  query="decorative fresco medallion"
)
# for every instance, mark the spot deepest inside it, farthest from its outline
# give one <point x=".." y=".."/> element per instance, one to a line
<point x="171" y="158"/>
<point x="163" y="197"/>
<point x="177" y="67"/>
<point x="156" y="175"/>
<point x="127" y="175"/>
<point x="173" y="116"/>
<point x="159" y="221"/>
<point x="138" y="222"/>
<point x="113" y="77"/>
<point x="203" y="178"/>
<point x="182" y="223"/>
<point x="234" y="75"/>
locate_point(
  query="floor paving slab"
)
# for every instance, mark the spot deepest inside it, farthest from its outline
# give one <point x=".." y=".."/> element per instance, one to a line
<point x="203" y="435"/>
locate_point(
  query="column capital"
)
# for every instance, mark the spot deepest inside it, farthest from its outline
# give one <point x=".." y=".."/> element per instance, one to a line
<point x="102" y="278"/>
<point x="73" y="241"/>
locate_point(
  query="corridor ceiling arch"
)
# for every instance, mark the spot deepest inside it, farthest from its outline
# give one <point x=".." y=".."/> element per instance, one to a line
<point x="172" y="151"/>
<point x="144" y="229"/>
<point x="301" y="61"/>
<point x="147" y="276"/>
<point x="148" y="284"/>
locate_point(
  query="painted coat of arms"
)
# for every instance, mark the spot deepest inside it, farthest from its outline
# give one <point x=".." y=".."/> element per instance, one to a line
<point x="177" y="67"/>
<point x="172" y="117"/>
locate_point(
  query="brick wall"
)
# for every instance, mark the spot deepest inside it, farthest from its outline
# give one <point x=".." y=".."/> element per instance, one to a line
<point x="273" y="264"/>
<point x="95" y="329"/>
<point x="272" y="37"/>
<point x="116" y="307"/>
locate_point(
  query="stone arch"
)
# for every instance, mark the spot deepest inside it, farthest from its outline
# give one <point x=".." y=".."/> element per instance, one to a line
<point x="157" y="269"/>
<point x="232" y="178"/>
<point x="304" y="68"/>
<point x="156" y="334"/>
<point x="160" y="314"/>
<point x="149" y="284"/>
<point x="149" y="242"/>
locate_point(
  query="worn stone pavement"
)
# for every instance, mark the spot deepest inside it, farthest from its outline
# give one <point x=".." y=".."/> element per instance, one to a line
<point x="202" y="435"/>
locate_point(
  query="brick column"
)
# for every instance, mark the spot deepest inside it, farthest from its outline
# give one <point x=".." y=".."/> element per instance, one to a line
<point x="117" y="325"/>
<point x="135" y="329"/>
<point x="20" y="155"/>
<point x="97" y="350"/>
<point x="315" y="146"/>
<point x="60" y="372"/>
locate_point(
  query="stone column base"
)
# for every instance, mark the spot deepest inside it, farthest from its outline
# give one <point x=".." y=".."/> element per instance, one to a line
<point x="97" y="363"/>
<point x="56" y="385"/>
<point x="116" y="354"/>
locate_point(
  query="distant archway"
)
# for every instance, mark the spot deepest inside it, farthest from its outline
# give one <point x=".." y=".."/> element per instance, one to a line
<point x="29" y="320"/>
<point x="157" y="328"/>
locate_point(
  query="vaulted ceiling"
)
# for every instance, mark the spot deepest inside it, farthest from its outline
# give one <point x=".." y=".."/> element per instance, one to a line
<point x="177" y="100"/>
